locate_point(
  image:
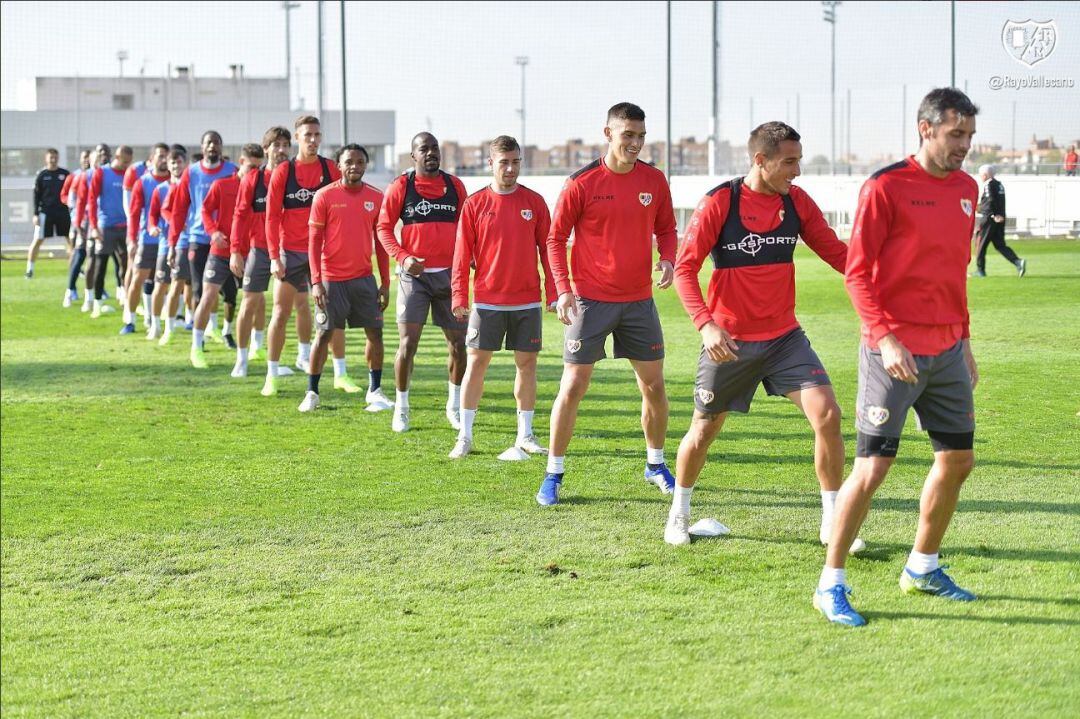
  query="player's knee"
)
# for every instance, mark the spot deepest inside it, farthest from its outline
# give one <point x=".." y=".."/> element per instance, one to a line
<point x="574" y="387"/>
<point x="827" y="421"/>
<point x="408" y="345"/>
<point x="958" y="465"/>
<point x="869" y="475"/>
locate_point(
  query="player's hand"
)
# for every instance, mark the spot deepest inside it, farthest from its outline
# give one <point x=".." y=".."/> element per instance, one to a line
<point x="460" y="312"/>
<point x="566" y="307"/>
<point x="236" y="264"/>
<point x="153" y="231"/>
<point x="384" y="297"/>
<point x="37" y="219"/>
<point x="718" y="343"/>
<point x="969" y="360"/>
<point x="550" y="307"/>
<point x="219" y="241"/>
<point x="413" y="266"/>
<point x="998" y="219"/>
<point x="94" y="234"/>
<point x="318" y="293"/>
<point x="277" y="268"/>
<point x="667" y="274"/>
<point x="171" y="260"/>
<point x="898" y="362"/>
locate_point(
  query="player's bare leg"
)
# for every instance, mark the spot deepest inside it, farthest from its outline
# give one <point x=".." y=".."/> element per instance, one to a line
<point x="408" y="342"/>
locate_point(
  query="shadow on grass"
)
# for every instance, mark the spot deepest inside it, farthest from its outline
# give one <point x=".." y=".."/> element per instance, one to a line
<point x="994" y="506"/>
<point x="1040" y="621"/>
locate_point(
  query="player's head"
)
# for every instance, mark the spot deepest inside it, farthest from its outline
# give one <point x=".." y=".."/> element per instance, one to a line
<point x="352" y="161"/>
<point x="102" y="153"/>
<point x="986" y="172"/>
<point x="123" y="156"/>
<point x="276" y="143"/>
<point x="159" y="158"/>
<point x="84" y="159"/>
<point x="211" y="146"/>
<point x="625" y="132"/>
<point x="504" y="160"/>
<point x="775" y="152"/>
<point x="52" y="158"/>
<point x="308" y="135"/>
<point x="425" y="153"/>
<point x="251" y="157"/>
<point x="177" y="161"/>
<point x="946" y="123"/>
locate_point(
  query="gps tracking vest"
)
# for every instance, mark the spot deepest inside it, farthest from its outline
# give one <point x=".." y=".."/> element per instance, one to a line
<point x="418" y="208"/>
<point x="739" y="247"/>
<point x="258" y="199"/>
<point x="297" y="197"/>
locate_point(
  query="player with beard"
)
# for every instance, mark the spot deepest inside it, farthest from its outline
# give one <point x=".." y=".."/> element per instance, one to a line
<point x="51" y="217"/>
<point x="139" y="237"/>
<point x="427" y="202"/>
<point x="173" y="283"/>
<point x="99" y="158"/>
<point x="108" y="222"/>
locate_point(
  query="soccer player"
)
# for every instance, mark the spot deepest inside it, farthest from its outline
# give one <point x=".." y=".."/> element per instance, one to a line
<point x="249" y="256"/>
<point x="288" y="208"/>
<point x="100" y="158"/>
<point x="427" y="201"/>
<point x="906" y="274"/>
<point x="190" y="193"/>
<point x="503" y="228"/>
<point x="175" y="277"/>
<point x="992" y="224"/>
<point x="217" y="215"/>
<point x="108" y="222"/>
<point x="749" y="226"/>
<point x="76" y="237"/>
<point x="51" y="217"/>
<point x="145" y="245"/>
<point x="614" y="206"/>
<point x="342" y="239"/>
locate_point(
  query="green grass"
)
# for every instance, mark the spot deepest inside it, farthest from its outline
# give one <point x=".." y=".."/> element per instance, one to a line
<point x="175" y="544"/>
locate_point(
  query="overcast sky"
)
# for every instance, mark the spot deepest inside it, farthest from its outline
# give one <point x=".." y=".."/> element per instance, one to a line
<point x="451" y="66"/>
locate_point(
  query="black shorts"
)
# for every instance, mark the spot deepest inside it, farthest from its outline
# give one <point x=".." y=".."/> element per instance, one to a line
<point x="146" y="257"/>
<point x="197" y="255"/>
<point x="257" y="270"/>
<point x="110" y="240"/>
<point x="354" y="302"/>
<point x="783" y="365"/>
<point x="635" y="326"/>
<point x="522" y="329"/>
<point x="297" y="270"/>
<point x="56" y="223"/>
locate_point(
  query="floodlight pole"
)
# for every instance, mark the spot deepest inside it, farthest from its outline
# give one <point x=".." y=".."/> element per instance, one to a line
<point x="667" y="149"/>
<point x="714" y="128"/>
<point x="344" y="86"/>
<point x="319" y="63"/>
<point x="952" y="43"/>
<point x="288" y="7"/>
<point x="522" y="61"/>
<point x="830" y="17"/>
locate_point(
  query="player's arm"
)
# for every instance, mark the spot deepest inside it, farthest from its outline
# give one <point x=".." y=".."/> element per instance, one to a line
<point x="211" y="214"/>
<point x="382" y="259"/>
<point x="275" y="196"/>
<point x="667" y="236"/>
<point x="316" y="240"/>
<point x="138" y="202"/>
<point x="463" y="259"/>
<point x="154" y="214"/>
<point x="816" y="232"/>
<point x="568" y="209"/>
<point x="179" y="204"/>
<point x="542" y="230"/>
<point x="239" y="239"/>
<point x="92" y="195"/>
<point x="393" y="200"/>
<point x="705" y="226"/>
<point x="997" y="201"/>
<point x="39" y="195"/>
<point x="873" y="217"/>
<point x="65" y="189"/>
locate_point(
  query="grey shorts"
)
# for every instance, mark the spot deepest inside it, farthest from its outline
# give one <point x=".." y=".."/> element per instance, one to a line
<point x="146" y="256"/>
<point x="354" y="302"/>
<point x="257" y="270"/>
<point x="297" y="270"/>
<point x="635" y="326"/>
<point x="163" y="275"/>
<point x="521" y="328"/>
<point x="217" y="270"/>
<point x="111" y="239"/>
<point x="942" y="396"/>
<point x="82" y="238"/>
<point x="429" y="290"/>
<point x="784" y="364"/>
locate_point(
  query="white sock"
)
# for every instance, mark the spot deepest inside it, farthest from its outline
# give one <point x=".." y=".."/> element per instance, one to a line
<point x="453" y="399"/>
<point x="127" y="315"/>
<point x="555" y="464"/>
<point x="97" y="305"/>
<point x="680" y="503"/>
<point x="197" y="339"/>
<point x="919" y="563"/>
<point x="148" y="304"/>
<point x="654" y="456"/>
<point x="188" y="315"/>
<point x="304" y="352"/>
<point x="155" y="325"/>
<point x="339" y="367"/>
<point x="256" y="340"/>
<point x="271" y="368"/>
<point x="211" y="326"/>
<point x="525" y="419"/>
<point x="402" y="400"/>
<point x="467" y="417"/>
<point x="29" y="265"/>
<point x="828" y="504"/>
<point x="226" y="329"/>
<point x="830" y="577"/>
<point x="241" y="356"/>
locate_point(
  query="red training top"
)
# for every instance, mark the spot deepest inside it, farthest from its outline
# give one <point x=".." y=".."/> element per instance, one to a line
<point x="341" y="236"/>
<point x="82" y="199"/>
<point x="908" y="257"/>
<point x="217" y="212"/>
<point x="501" y="235"/>
<point x="433" y="241"/>
<point x="614" y="218"/>
<point x="248" y="230"/>
<point x="138" y="202"/>
<point x="752" y="289"/>
<point x="287" y="229"/>
<point x="65" y="189"/>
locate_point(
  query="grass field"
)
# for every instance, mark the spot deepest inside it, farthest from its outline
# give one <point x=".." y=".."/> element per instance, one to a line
<point x="174" y="544"/>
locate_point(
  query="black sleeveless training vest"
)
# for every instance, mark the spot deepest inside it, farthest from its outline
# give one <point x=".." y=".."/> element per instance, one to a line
<point x="258" y="199"/>
<point x="418" y="208"/>
<point x="737" y="246"/>
<point x="297" y="197"/>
